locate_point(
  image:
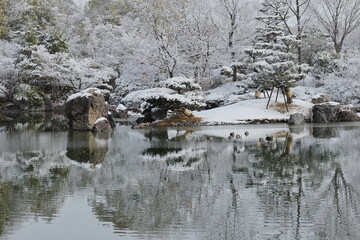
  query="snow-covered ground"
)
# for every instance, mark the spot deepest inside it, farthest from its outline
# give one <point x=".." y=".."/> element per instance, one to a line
<point x="250" y="110"/>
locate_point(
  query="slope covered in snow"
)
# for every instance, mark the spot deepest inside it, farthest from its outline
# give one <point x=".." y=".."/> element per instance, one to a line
<point x="250" y="110"/>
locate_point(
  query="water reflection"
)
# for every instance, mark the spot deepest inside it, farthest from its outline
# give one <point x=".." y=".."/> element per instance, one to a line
<point x="33" y="121"/>
<point x="87" y="147"/>
<point x="191" y="183"/>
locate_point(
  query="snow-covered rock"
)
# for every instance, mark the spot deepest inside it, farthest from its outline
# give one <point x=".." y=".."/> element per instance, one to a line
<point x="121" y="111"/>
<point x="84" y="94"/>
<point x="347" y="116"/>
<point x="85" y="108"/>
<point x="296" y="119"/>
<point x="101" y="125"/>
<point x="321" y="98"/>
<point x="325" y="112"/>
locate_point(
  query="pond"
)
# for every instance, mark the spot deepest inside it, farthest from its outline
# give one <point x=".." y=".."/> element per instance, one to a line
<point x="171" y="183"/>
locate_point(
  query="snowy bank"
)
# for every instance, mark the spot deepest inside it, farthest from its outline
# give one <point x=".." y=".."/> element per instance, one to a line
<point x="251" y="110"/>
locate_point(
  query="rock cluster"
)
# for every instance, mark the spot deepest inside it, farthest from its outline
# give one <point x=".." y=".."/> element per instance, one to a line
<point x="325" y="113"/>
<point x="333" y="112"/>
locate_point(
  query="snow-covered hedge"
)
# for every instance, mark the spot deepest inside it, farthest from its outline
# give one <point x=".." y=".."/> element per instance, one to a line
<point x="135" y="99"/>
<point x="181" y="84"/>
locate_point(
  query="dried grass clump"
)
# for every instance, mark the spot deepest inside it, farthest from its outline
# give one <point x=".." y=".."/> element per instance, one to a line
<point x="280" y="107"/>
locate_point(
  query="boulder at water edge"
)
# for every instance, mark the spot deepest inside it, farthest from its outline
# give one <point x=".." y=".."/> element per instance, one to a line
<point x="325" y="112"/>
<point x="348" y="116"/>
<point x="84" y="108"/>
<point x="296" y="119"/>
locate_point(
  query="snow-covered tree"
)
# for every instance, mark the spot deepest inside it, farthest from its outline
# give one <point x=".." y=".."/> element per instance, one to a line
<point x="9" y="79"/>
<point x="299" y="9"/>
<point x="235" y="26"/>
<point x="165" y="22"/>
<point x="339" y="18"/>
<point x="272" y="55"/>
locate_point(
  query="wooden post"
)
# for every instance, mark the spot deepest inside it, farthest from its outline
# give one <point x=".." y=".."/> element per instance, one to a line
<point x="267" y="93"/>
<point x="234" y="73"/>
<point x="272" y="89"/>
<point x="283" y="92"/>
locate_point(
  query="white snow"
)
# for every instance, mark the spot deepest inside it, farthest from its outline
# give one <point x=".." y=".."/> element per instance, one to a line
<point x="330" y="103"/>
<point x="120" y="107"/>
<point x="181" y="83"/>
<point x="83" y="93"/>
<point x="100" y="119"/>
<point x="241" y="112"/>
<point x="78" y="95"/>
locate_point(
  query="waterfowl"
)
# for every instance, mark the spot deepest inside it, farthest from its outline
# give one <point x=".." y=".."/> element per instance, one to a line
<point x="238" y="137"/>
<point x="246" y="133"/>
<point x="261" y="139"/>
<point x="269" y="138"/>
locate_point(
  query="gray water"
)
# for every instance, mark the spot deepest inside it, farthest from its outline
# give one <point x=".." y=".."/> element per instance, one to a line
<point x="190" y="183"/>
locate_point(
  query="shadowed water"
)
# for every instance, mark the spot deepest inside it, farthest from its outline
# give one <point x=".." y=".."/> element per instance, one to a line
<point x="190" y="183"/>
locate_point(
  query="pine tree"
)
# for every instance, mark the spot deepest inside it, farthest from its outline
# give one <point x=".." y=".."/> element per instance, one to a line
<point x="273" y="55"/>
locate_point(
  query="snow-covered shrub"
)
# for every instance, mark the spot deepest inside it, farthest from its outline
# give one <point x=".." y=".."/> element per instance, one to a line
<point x="174" y="93"/>
<point x="340" y="78"/>
<point x="324" y="63"/>
<point x="163" y="97"/>
<point x="181" y="84"/>
<point x="27" y="97"/>
<point x="9" y="79"/>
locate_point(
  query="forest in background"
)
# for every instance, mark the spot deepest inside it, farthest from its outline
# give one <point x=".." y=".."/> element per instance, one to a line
<point x="61" y="46"/>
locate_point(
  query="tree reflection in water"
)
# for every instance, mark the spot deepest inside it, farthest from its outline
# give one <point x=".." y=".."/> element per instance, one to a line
<point x="173" y="184"/>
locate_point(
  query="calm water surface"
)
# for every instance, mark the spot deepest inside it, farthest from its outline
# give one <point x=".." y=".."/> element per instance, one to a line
<point x="181" y="183"/>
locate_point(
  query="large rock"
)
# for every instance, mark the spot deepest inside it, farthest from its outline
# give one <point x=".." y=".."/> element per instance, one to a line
<point x="348" y="116"/>
<point x="325" y="112"/>
<point x="296" y="119"/>
<point x="84" y="108"/>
